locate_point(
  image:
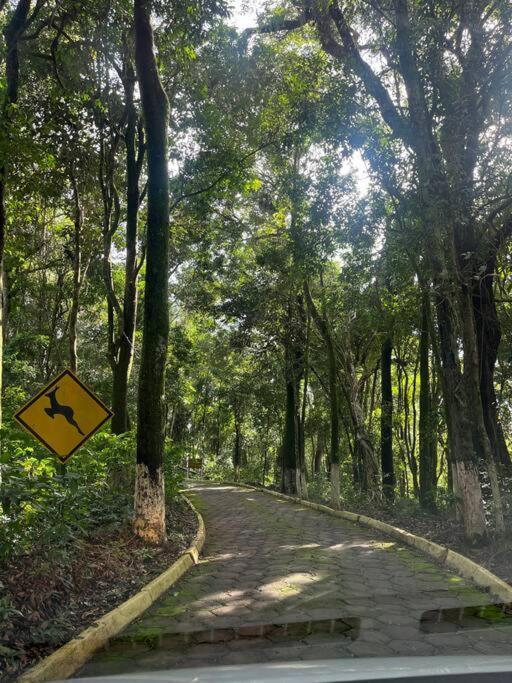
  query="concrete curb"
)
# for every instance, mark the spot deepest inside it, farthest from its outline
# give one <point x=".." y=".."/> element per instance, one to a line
<point x="70" y="657"/>
<point x="448" y="558"/>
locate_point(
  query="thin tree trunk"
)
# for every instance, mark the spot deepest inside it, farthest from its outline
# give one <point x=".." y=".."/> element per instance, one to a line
<point x="386" y="420"/>
<point x="371" y="408"/>
<point x="237" y="450"/>
<point x="488" y="331"/>
<point x="334" y="453"/>
<point x="318" y="452"/>
<point x="265" y="451"/>
<point x="77" y="275"/>
<point x="293" y="480"/>
<point x="363" y="446"/>
<point x="304" y="399"/>
<point x="427" y="454"/>
<point x="12" y="35"/>
<point x="149" y="518"/>
<point x="288" y="448"/>
<point x="134" y="141"/>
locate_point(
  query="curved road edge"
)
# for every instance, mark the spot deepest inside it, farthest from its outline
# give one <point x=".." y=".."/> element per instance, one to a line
<point x="74" y="654"/>
<point x="448" y="558"/>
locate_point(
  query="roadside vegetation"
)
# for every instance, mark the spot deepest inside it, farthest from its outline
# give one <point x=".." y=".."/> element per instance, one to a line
<point x="281" y="253"/>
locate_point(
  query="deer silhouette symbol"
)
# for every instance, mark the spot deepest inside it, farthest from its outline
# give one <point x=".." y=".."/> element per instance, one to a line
<point x="57" y="409"/>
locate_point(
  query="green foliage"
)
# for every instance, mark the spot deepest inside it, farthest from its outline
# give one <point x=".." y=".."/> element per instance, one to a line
<point x="281" y="170"/>
<point x="174" y="476"/>
<point x="251" y="473"/>
<point x="218" y="471"/>
<point x="45" y="511"/>
<point x="319" y="486"/>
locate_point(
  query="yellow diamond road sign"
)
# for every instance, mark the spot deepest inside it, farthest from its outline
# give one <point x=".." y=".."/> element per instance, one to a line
<point x="63" y="415"/>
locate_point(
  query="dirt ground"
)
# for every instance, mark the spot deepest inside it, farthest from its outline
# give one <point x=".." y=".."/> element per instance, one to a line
<point x="52" y="601"/>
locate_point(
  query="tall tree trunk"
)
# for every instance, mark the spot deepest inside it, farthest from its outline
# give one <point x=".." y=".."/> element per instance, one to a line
<point x="334" y="452"/>
<point x="481" y="442"/>
<point x="289" y="446"/>
<point x="265" y="451"/>
<point x="318" y="453"/>
<point x="363" y="447"/>
<point x="427" y="437"/>
<point x="304" y="400"/>
<point x="134" y="142"/>
<point x="293" y="477"/>
<point x="464" y="464"/>
<point x="443" y="168"/>
<point x="386" y="420"/>
<point x="237" y="450"/>
<point x="77" y="274"/>
<point x="12" y="35"/>
<point x="149" y="519"/>
<point x="488" y="331"/>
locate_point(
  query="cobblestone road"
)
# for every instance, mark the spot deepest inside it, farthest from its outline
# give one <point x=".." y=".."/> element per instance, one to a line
<point x="282" y="582"/>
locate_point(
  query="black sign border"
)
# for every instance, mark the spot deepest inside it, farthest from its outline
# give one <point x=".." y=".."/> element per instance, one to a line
<point x="63" y="458"/>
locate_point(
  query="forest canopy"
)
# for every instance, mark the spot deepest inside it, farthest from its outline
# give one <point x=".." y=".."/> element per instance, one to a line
<point x="280" y="252"/>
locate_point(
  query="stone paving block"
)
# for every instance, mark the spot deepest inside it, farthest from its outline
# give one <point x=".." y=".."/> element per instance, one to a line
<point x="326" y="639"/>
<point x="448" y="640"/>
<point x="268" y="561"/>
<point x="398" y="619"/>
<point x="326" y="652"/>
<point x="411" y="647"/>
<point x="374" y="636"/>
<point x="249" y="644"/>
<point x="245" y="657"/>
<point x="290" y="652"/>
<point x="367" y="649"/>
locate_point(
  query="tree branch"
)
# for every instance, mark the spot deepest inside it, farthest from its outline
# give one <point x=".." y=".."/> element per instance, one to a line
<point x="348" y="53"/>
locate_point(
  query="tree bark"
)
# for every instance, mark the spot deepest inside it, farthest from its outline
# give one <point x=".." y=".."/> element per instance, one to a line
<point x="481" y="442"/>
<point x="78" y="274"/>
<point x="12" y="36"/>
<point x="334" y="452"/>
<point x="427" y="437"/>
<point x="464" y="463"/>
<point x="363" y="447"/>
<point x="444" y="205"/>
<point x="237" y="450"/>
<point x="134" y="142"/>
<point x="289" y="446"/>
<point x="386" y="420"/>
<point x="488" y="329"/>
<point x="293" y="478"/>
<point x="318" y="452"/>
<point x="149" y="518"/>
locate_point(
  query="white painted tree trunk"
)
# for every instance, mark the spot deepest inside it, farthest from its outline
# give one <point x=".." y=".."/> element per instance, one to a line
<point x="149" y="505"/>
<point x="469" y="494"/>
<point x="335" y="485"/>
<point x="497" y="504"/>
<point x="300" y="484"/>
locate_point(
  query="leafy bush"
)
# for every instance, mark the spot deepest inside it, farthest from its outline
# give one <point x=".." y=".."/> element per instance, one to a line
<point x="44" y="509"/>
<point x="319" y="487"/>
<point x="251" y="472"/>
<point x="218" y="470"/>
<point x="174" y="476"/>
